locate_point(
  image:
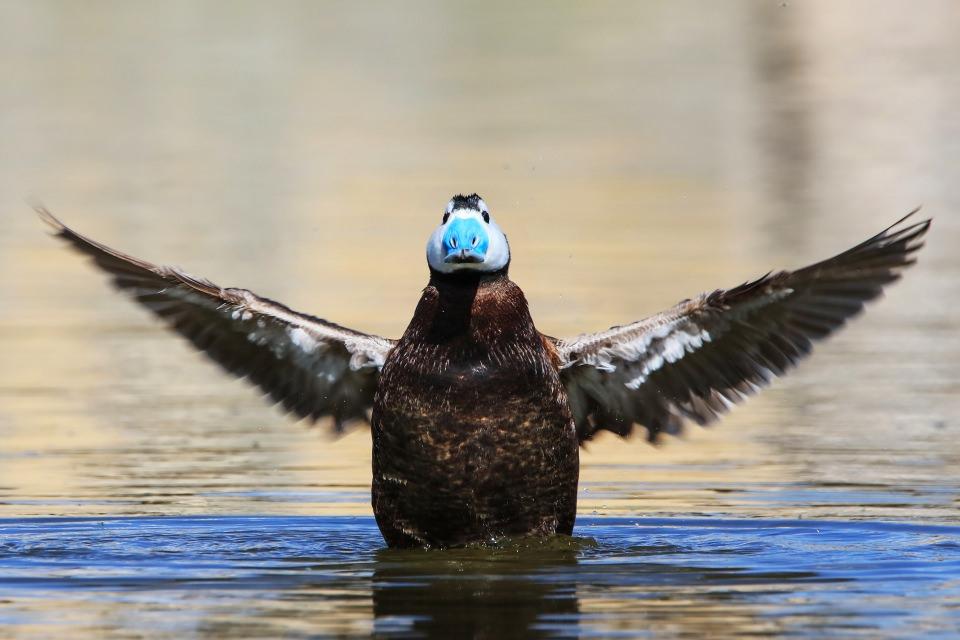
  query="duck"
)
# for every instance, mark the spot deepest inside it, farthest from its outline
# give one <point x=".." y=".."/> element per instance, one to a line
<point x="477" y="418"/>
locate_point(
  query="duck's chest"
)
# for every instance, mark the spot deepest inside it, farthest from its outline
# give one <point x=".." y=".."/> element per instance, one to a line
<point x="466" y="385"/>
<point x="472" y="431"/>
<point x="470" y="359"/>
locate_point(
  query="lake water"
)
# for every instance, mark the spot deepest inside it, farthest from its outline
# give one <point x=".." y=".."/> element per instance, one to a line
<point x="300" y="576"/>
<point x="635" y="154"/>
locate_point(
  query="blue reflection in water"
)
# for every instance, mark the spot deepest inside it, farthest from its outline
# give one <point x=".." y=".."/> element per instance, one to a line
<point x="303" y="576"/>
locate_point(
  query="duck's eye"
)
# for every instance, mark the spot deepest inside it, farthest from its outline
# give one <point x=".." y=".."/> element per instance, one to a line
<point x="486" y="216"/>
<point x="446" y="217"/>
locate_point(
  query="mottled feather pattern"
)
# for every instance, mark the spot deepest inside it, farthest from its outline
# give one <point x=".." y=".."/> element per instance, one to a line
<point x="312" y="367"/>
<point x="472" y="435"/>
<point x="698" y="359"/>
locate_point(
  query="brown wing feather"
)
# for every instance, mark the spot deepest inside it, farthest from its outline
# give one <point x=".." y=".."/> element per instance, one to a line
<point x="312" y="367"/>
<point x="699" y="358"/>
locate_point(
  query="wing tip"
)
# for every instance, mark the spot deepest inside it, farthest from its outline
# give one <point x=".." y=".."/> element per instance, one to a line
<point x="912" y="236"/>
<point x="915" y="229"/>
<point x="51" y="220"/>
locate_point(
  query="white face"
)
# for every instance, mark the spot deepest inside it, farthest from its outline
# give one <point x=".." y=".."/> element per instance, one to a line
<point x="467" y="240"/>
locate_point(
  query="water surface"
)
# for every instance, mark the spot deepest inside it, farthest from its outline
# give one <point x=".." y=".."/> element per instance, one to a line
<point x="294" y="576"/>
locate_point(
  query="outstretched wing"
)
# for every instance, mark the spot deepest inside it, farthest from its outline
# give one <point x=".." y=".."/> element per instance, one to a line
<point x="697" y="359"/>
<point x="312" y="367"/>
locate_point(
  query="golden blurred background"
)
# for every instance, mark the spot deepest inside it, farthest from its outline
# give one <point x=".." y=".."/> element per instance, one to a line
<point x="635" y="153"/>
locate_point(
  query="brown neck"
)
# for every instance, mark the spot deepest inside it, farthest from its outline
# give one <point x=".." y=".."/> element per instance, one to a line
<point x="471" y="306"/>
<point x="466" y="276"/>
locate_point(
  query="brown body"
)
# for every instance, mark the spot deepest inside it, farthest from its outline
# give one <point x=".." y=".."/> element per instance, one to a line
<point x="473" y="437"/>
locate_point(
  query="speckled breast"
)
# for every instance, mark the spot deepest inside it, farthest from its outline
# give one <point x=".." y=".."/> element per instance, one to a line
<point x="472" y="436"/>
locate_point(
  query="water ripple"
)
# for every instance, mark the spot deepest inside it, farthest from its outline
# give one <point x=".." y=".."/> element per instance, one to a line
<point x="247" y="573"/>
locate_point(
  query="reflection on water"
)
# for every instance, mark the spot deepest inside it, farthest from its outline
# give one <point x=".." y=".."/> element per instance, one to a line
<point x="635" y="155"/>
<point x="299" y="576"/>
<point x="520" y="589"/>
